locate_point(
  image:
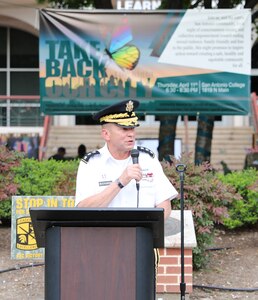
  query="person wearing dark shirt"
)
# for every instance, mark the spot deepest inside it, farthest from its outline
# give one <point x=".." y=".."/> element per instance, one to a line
<point x="59" y="155"/>
<point x="81" y="151"/>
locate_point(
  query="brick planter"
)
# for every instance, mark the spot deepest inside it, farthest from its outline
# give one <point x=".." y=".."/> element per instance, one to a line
<point x="169" y="271"/>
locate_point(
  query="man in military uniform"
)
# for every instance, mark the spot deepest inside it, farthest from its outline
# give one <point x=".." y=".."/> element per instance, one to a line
<point x="107" y="177"/>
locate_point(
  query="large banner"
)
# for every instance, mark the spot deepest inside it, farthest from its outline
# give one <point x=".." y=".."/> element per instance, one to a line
<point x="173" y="62"/>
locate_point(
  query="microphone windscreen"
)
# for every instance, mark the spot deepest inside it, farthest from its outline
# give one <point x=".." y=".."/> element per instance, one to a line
<point x="135" y="155"/>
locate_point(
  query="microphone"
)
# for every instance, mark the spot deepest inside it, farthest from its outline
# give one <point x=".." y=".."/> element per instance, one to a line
<point x="135" y="158"/>
<point x="135" y="155"/>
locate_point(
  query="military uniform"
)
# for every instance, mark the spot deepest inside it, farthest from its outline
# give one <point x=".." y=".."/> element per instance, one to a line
<point x="98" y="169"/>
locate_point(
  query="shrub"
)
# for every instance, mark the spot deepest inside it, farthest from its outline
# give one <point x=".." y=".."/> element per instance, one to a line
<point x="31" y="177"/>
<point x="6" y="211"/>
<point x="243" y="212"/>
<point x="66" y="185"/>
<point x="8" y="160"/>
<point x="47" y="177"/>
<point x="206" y="196"/>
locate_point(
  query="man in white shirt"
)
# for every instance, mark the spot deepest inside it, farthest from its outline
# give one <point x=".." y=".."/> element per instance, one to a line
<point x="107" y="177"/>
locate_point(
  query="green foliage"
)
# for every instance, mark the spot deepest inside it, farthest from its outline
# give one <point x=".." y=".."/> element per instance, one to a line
<point x="5" y="209"/>
<point x="77" y="4"/>
<point x="243" y="212"/>
<point x="32" y="177"/>
<point x="8" y="160"/>
<point x="48" y="177"/>
<point x="206" y="196"/>
<point x="66" y="185"/>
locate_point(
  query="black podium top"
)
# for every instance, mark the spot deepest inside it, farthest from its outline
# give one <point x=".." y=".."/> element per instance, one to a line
<point x="44" y="218"/>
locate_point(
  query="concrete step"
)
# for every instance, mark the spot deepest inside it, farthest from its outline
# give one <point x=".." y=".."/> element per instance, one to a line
<point x="228" y="144"/>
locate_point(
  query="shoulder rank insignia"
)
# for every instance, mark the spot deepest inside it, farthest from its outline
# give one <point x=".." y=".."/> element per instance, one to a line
<point x="89" y="155"/>
<point x="146" y="150"/>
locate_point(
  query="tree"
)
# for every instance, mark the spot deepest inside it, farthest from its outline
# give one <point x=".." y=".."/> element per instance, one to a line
<point x="104" y="4"/>
<point x="206" y="123"/>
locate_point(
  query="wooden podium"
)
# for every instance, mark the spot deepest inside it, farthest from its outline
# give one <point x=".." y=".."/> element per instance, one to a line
<point x="97" y="254"/>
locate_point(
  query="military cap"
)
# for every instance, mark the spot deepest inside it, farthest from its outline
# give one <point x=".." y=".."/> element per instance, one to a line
<point x="121" y="113"/>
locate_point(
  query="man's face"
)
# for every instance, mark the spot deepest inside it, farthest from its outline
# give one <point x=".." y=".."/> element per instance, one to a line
<point x="119" y="138"/>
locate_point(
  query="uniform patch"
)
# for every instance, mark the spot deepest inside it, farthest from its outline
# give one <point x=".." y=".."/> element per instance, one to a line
<point x="147" y="176"/>
<point x="105" y="183"/>
<point x="146" y="150"/>
<point x="89" y="155"/>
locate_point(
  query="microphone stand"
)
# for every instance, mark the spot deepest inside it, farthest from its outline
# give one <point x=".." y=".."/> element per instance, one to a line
<point x="180" y="168"/>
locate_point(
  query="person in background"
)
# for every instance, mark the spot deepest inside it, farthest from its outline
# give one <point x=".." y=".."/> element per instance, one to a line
<point x="82" y="150"/>
<point x="61" y="151"/>
<point x="107" y="177"/>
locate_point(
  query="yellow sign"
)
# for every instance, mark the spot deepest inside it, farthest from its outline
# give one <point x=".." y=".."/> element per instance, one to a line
<point x="23" y="242"/>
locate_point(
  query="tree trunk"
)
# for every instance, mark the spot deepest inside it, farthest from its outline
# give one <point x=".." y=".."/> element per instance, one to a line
<point x="167" y="135"/>
<point x="204" y="139"/>
<point x="167" y="129"/>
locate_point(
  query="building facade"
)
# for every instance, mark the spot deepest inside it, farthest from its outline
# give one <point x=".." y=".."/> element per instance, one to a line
<point x="19" y="76"/>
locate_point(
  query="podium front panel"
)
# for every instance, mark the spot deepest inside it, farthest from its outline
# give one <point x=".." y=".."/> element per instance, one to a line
<point x="111" y="263"/>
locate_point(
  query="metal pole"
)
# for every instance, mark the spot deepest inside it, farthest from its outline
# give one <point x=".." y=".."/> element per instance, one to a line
<point x="181" y="169"/>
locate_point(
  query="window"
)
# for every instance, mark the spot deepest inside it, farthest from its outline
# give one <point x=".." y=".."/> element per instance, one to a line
<point x="3" y="47"/>
<point x="19" y="76"/>
<point x="24" y="49"/>
<point x="24" y="83"/>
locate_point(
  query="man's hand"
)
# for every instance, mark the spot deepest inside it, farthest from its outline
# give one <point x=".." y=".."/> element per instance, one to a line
<point x="131" y="172"/>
